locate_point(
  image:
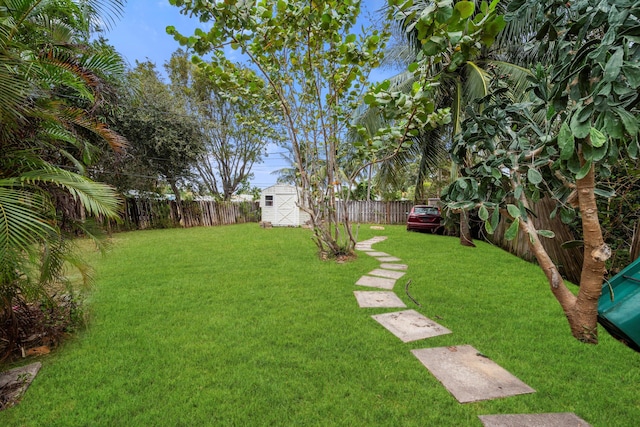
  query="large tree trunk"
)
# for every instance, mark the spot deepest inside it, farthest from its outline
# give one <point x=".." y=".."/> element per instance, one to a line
<point x="596" y="252"/>
<point x="581" y="310"/>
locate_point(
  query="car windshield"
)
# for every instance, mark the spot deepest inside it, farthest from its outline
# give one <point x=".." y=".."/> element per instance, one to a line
<point x="426" y="210"/>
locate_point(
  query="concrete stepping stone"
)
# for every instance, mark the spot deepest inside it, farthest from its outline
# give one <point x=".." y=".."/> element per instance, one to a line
<point x="15" y="382"/>
<point x="387" y="273"/>
<point x="376" y="282"/>
<point x="376" y="254"/>
<point x="388" y="259"/>
<point x="469" y="375"/>
<point x="560" y="419"/>
<point x="409" y="325"/>
<point x="373" y="240"/>
<point x="365" y="245"/>
<point x="382" y="299"/>
<point x="394" y="266"/>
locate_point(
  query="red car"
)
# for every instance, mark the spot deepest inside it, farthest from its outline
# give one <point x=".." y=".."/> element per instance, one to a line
<point x="424" y="218"/>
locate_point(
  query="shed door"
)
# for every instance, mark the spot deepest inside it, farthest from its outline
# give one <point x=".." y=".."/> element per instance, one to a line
<point x="286" y="209"/>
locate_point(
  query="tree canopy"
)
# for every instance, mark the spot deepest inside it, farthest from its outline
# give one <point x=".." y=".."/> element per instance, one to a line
<point x="580" y="120"/>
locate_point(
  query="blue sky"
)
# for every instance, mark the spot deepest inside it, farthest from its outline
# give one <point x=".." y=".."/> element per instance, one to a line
<point x="140" y="35"/>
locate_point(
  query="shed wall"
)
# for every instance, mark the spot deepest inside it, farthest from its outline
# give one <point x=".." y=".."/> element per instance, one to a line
<point x="284" y="211"/>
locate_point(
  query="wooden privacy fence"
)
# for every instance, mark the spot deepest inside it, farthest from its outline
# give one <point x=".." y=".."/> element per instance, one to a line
<point x="363" y="211"/>
<point x="140" y="214"/>
<point x="568" y="260"/>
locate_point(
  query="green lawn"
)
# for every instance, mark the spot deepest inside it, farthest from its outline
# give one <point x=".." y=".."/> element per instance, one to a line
<point x="244" y="326"/>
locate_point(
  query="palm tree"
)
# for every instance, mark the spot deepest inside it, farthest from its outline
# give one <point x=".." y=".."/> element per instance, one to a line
<point x="49" y="83"/>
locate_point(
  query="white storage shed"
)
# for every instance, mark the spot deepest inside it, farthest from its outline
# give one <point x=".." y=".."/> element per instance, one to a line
<point x="279" y="205"/>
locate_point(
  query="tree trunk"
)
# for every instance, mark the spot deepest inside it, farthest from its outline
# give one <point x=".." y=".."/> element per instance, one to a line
<point x="584" y="319"/>
<point x="559" y="289"/>
<point x="466" y="239"/>
<point x="581" y="310"/>
<point x="176" y="192"/>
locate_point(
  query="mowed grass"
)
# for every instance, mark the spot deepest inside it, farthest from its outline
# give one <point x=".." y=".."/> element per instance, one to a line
<point x="244" y="326"/>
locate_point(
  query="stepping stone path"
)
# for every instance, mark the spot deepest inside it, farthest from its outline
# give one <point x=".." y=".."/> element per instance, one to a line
<point x="467" y="374"/>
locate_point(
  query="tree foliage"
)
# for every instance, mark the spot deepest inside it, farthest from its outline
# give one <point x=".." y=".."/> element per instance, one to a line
<point x="236" y="130"/>
<point x="305" y="60"/>
<point x="163" y="137"/>
<point x="587" y="95"/>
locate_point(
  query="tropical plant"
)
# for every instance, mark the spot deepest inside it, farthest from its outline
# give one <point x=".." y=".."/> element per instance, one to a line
<point x="49" y="82"/>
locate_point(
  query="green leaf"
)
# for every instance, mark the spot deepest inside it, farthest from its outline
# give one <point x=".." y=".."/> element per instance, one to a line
<point x="597" y="138"/>
<point x="547" y="233"/>
<point x="566" y="142"/>
<point x="518" y="191"/>
<point x="573" y="164"/>
<point x="604" y="192"/>
<point x="629" y="120"/>
<point x="444" y="14"/>
<point x="513" y="211"/>
<point x="512" y="231"/>
<point x="614" y="64"/>
<point x="483" y="213"/>
<point x="534" y="176"/>
<point x="633" y="148"/>
<point x="489" y="227"/>
<point x="495" y="218"/>
<point x="572" y="244"/>
<point x="466" y="8"/>
<point x="612" y="125"/>
<point x="581" y="121"/>
<point x="580" y="130"/>
<point x="413" y="67"/>
<point x="632" y="73"/>
<point x="584" y="170"/>
<point x="567" y="215"/>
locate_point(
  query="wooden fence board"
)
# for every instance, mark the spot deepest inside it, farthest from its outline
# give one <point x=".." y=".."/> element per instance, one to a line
<point x="140" y="214"/>
<point x="374" y="212"/>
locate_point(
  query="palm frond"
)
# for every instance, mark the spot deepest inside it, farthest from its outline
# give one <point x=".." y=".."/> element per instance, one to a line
<point x="516" y="75"/>
<point x="24" y="219"/>
<point x="476" y="82"/>
<point x="96" y="198"/>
